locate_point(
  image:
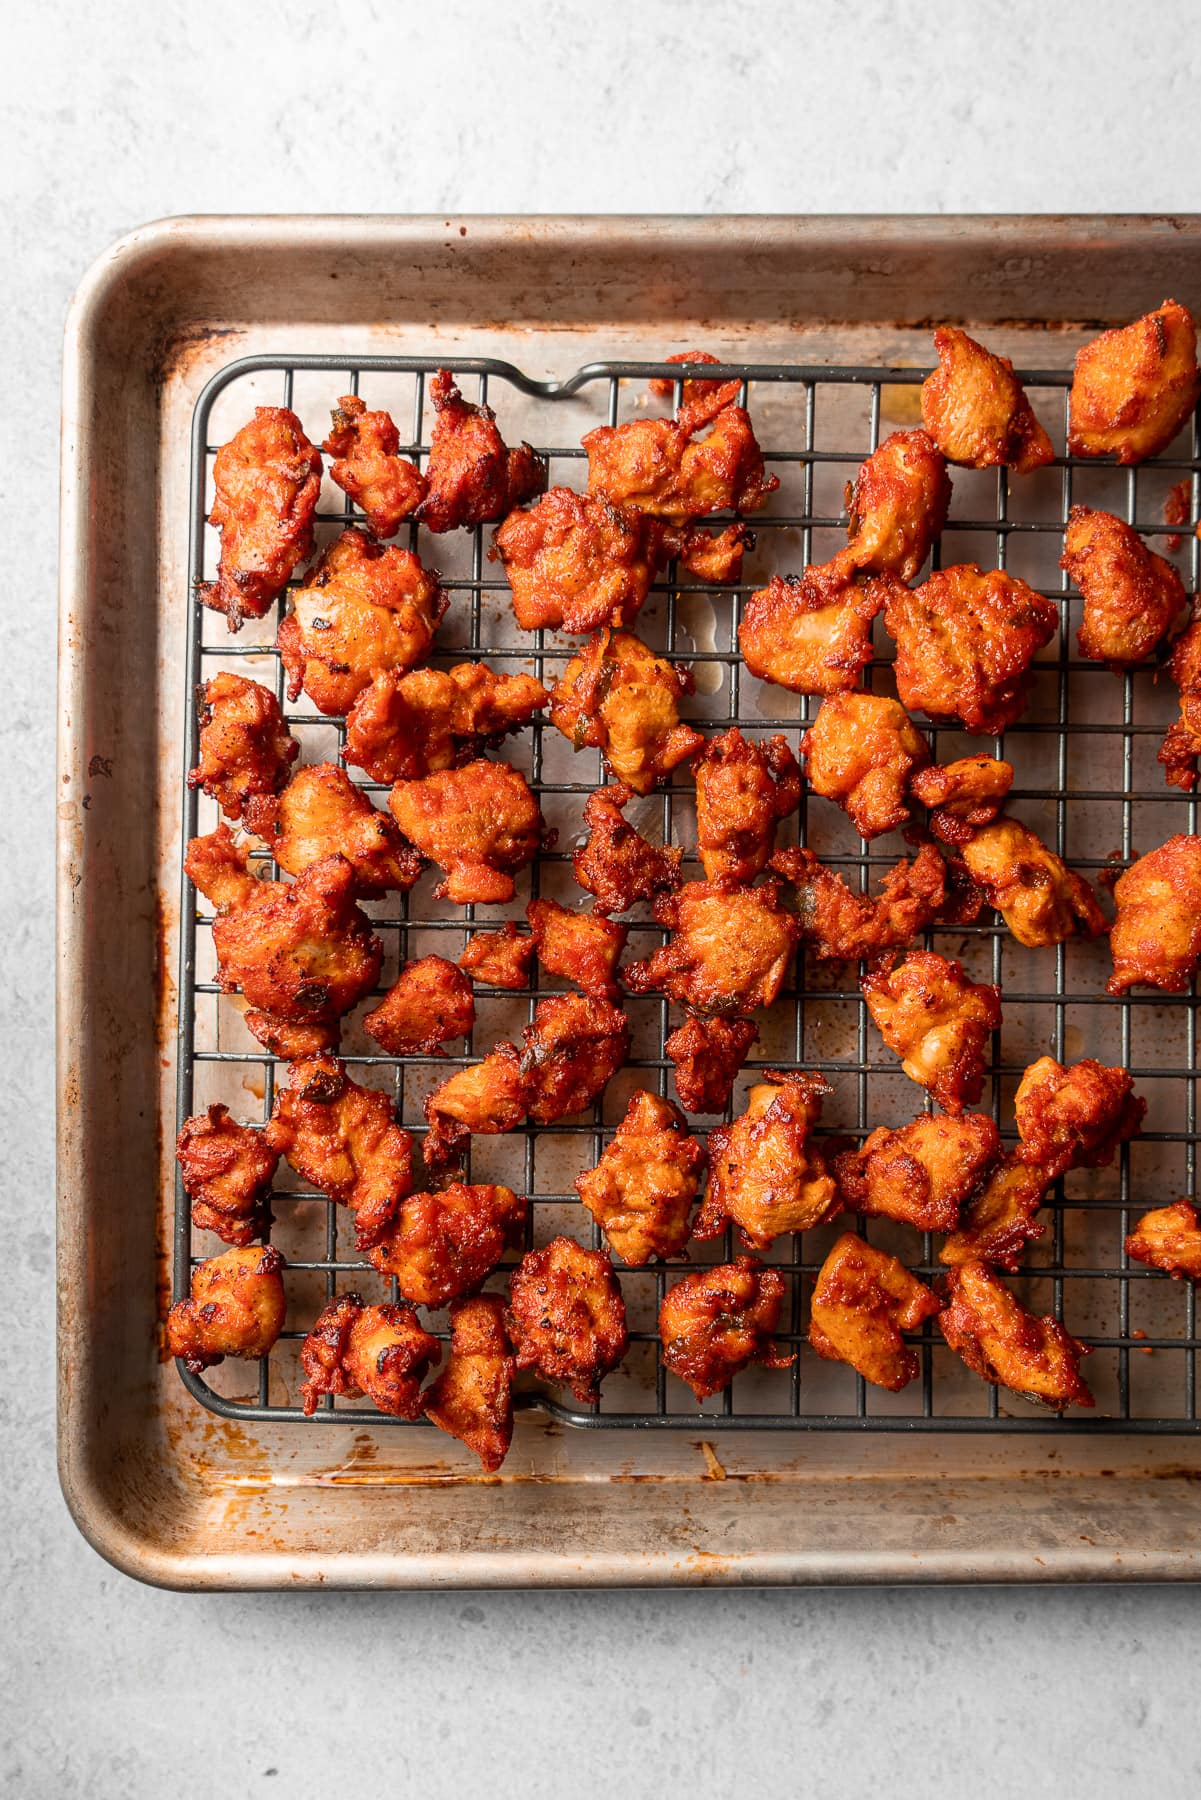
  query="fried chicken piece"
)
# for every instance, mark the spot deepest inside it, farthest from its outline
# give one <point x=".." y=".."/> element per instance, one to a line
<point x="1169" y="1238"/>
<point x="1134" y="388"/>
<point x="897" y="506"/>
<point x="486" y="1097"/>
<point x="291" y="1042"/>
<point x="965" y="641"/>
<point x="471" y="475"/>
<point x="1040" y="899"/>
<point x="743" y="789"/>
<point x="236" y="1308"/>
<point x="616" y="864"/>
<point x="1074" y="1117"/>
<point x="962" y="795"/>
<point x="227" y="1171"/>
<point x="765" y="1175"/>
<point x="1182" y="742"/>
<point x="641" y="1192"/>
<point x="921" y="1173"/>
<point x="246" y="748"/>
<point x="708" y="1054"/>
<point x="429" y="1004"/>
<point x="566" y="1316"/>
<point x="846" y="926"/>
<point x="369" y="467"/>
<point x="712" y="556"/>
<point x="662" y="468"/>
<point x="860" y="752"/>
<point x="618" y="697"/>
<point x="937" y="1021"/>
<point x="499" y="958"/>
<point x="322" y="813"/>
<point x="472" y="1399"/>
<point x="976" y="410"/>
<point x="1156" y="936"/>
<point x="580" y="947"/>
<point x="442" y="1245"/>
<point x="863" y="1301"/>
<point x="266" y="483"/>
<point x="997" y="1221"/>
<point x="718" y="1321"/>
<point x="1131" y="596"/>
<point x="404" y="726"/>
<point x="480" y="823"/>
<point x="575" y="562"/>
<point x="575" y="1044"/>
<point x="997" y="1338"/>
<point x="365" y="606"/>
<point x="813" y="634"/>
<point x="345" y="1139"/>
<point x="380" y="1351"/>
<point x="700" y="400"/>
<point x="303" y="953"/>
<point x="728" y="952"/>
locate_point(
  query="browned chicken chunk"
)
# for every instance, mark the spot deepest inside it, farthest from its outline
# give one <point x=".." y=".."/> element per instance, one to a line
<point x="812" y="634"/>
<point x="846" y="926"/>
<point x="406" y="725"/>
<point x="766" y="1175"/>
<point x="580" y="947"/>
<point x="1074" y="1117"/>
<point x="246" y="748"/>
<point x="718" y="1321"/>
<point x="700" y="400"/>
<point x="937" y="1021"/>
<point x="227" y="1171"/>
<point x="962" y="795"/>
<point x="444" y="1244"/>
<point x="576" y="562"/>
<point x="345" y="1139"/>
<point x="727" y="953"/>
<point x="499" y="958"/>
<point x="322" y="813"/>
<point x="1040" y="899"/>
<point x="380" y="1351"/>
<point x="860" y="752"/>
<point x="1182" y="742"/>
<point x="863" y="1301"/>
<point x="566" y="1316"/>
<point x="1131" y="596"/>
<point x="921" y="1173"/>
<point x="616" y="864"/>
<point x="1134" y="388"/>
<point x="997" y="1338"/>
<point x="898" y="505"/>
<point x="429" y="1004"/>
<point x="368" y="465"/>
<point x="236" y="1308"/>
<point x="1169" y="1238"/>
<point x="291" y="1043"/>
<point x="997" y="1221"/>
<point x="481" y="824"/>
<point x="472" y="1399"/>
<point x="661" y="467"/>
<point x="1156" y="936"/>
<point x="575" y="1044"/>
<point x="471" y="476"/>
<point x="976" y="409"/>
<point x="641" y="1192"/>
<point x="744" y="787"/>
<point x="708" y="1054"/>
<point x="266" y="483"/>
<point x="485" y="1097"/>
<point x="618" y="697"/>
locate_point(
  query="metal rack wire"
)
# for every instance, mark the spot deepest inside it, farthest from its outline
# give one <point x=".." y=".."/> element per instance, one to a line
<point x="1083" y="747"/>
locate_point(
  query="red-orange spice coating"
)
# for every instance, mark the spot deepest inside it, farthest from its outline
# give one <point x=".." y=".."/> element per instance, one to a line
<point x="380" y="1351"/>
<point x="618" y="697"/>
<point x="616" y="863"/>
<point x="962" y="795"/>
<point x="921" y="1173"/>
<point x="766" y="1174"/>
<point x="471" y="475"/>
<point x="1134" y="388"/>
<point x="429" y="1004"/>
<point x="718" y="1321"/>
<point x="499" y="958"/>
<point x="227" y="1172"/>
<point x="480" y="823"/>
<point x="566" y="1316"/>
<point x="729" y="951"/>
<point x="1131" y="595"/>
<point x="246" y="748"/>
<point x="1169" y="1238"/>
<point x="404" y="725"/>
<point x="236" y="1308"/>
<point x="1040" y="899"/>
<point x="976" y="410"/>
<point x="997" y="1222"/>
<point x="444" y="1244"/>
<point x="1074" y="1117"/>
<point x="847" y="926"/>
<point x="937" y="1021"/>
<point x="812" y="634"/>
<point x="345" y="1140"/>
<point x="266" y="483"/>
<point x="744" y="787"/>
<point x="860" y="752"/>
<point x="472" y="1398"/>
<point x="1156" y="936"/>
<point x="575" y="562"/>
<point x="997" y="1338"/>
<point x="578" y="946"/>
<point x="368" y="466"/>
<point x="642" y="1190"/>
<point x="708" y="1054"/>
<point x="863" y="1301"/>
<point x="897" y="505"/>
<point x="322" y="813"/>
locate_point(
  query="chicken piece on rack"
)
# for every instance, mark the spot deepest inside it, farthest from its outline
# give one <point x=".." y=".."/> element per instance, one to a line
<point x="346" y="1140"/>
<point x="369" y="467"/>
<point x="480" y="823"/>
<point x="227" y="1171"/>
<point x="766" y="1175"/>
<point x="1182" y="742"/>
<point x="860" y="752"/>
<point x="728" y="952"/>
<point x="997" y="1222"/>
<point x="1074" y="1117"/>
<point x="444" y="1244"/>
<point x="897" y="505"/>
<point x="618" y="697"/>
<point x="291" y="1043"/>
<point x="429" y="1004"/>
<point x="576" y="1043"/>
<point x="700" y="399"/>
<point x="846" y="926"/>
<point x="708" y="1054"/>
<point x="661" y="467"/>
<point x="744" y="787"/>
<point x="471" y="476"/>
<point x="937" y="1021"/>
<point x="720" y="1320"/>
<point x="642" y="1190"/>
<point x="1132" y="597"/>
<point x="575" y="562"/>
<point x="863" y="1301"/>
<point x="985" y="1324"/>
<point x="812" y="633"/>
<point x="499" y="958"/>
<point x="364" y="606"/>
<point x="380" y="1351"/>
<point x="962" y="795"/>
<point x="404" y="725"/>
<point x="976" y="410"/>
<point x="485" y="1098"/>
<point x="472" y="1399"/>
<point x="578" y="946"/>
<point x="246" y="749"/>
<point x="617" y="864"/>
<point x="1169" y="1238"/>
<point x="1040" y="899"/>
<point x="322" y="813"/>
<point x="566" y="1316"/>
<point x="1134" y="388"/>
<point x="236" y="1308"/>
<point x="266" y="483"/>
<point x="921" y="1173"/>
<point x="1156" y="936"/>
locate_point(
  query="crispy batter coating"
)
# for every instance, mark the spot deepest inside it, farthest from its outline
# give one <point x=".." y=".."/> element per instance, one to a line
<point x="1156" y="936"/>
<point x="486" y="1097"/>
<point x="997" y="1338"/>
<point x="369" y="468"/>
<point x="380" y="1351"/>
<point x="618" y="697"/>
<point x="728" y="951"/>
<point x="442" y="1245"/>
<point x="616" y="864"/>
<point x="480" y="823"/>
<point x="716" y="1322"/>
<point x="288" y="1041"/>
<point x="302" y="952"/>
<point x="765" y="1175"/>
<point x="499" y="958"/>
<point x="1074" y="1117"/>
<point x="236" y="1308"/>
<point x="976" y="409"/>
<point x="700" y="400"/>
<point x="1134" y="388"/>
<point x="1169" y="1238"/>
<point x="322" y="813"/>
<point x="471" y="476"/>
<point x="898" y="505"/>
<point x="708" y="1054"/>
<point x="575" y="562"/>
<point x="566" y="1316"/>
<point x="937" y="1021"/>
<point x="246" y="748"/>
<point x="429" y="1004"/>
<point x="860" y="752"/>
<point x="1131" y="596"/>
<point x="863" y="1301"/>
<point x="365" y="606"/>
<point x="962" y="795"/>
<point x="581" y="947"/>
<point x="227" y="1171"/>
<point x="813" y="634"/>
<point x="921" y="1173"/>
<point x="472" y="1399"/>
<point x="743" y="789"/>
<point x="1040" y="899"/>
<point x="712" y="556"/>
<point x="403" y="726"/>
<point x="1182" y="743"/>
<point x="845" y="926"/>
<point x="344" y="1139"/>
<point x="266" y="483"/>
<point x="662" y="468"/>
<point x="575" y="1044"/>
<point x="965" y="641"/>
<point x="997" y="1221"/>
<point x="641" y="1192"/>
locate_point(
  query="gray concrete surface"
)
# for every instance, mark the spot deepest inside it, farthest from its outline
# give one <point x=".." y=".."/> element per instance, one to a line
<point x="113" y="115"/>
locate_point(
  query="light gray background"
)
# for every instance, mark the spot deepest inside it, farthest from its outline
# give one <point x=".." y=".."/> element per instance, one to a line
<point x="114" y="114"/>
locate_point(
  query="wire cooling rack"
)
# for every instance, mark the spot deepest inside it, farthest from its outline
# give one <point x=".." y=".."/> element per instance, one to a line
<point x="1087" y="780"/>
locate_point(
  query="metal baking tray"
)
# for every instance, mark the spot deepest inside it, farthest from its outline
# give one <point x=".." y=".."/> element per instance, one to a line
<point x="242" y="1495"/>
